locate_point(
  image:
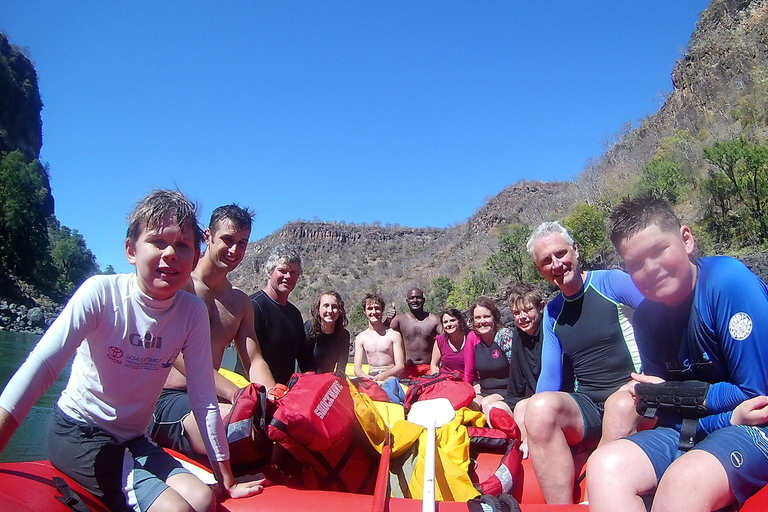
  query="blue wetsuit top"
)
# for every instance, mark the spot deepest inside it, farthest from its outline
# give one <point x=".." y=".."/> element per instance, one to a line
<point x="719" y="335"/>
<point x="593" y="332"/>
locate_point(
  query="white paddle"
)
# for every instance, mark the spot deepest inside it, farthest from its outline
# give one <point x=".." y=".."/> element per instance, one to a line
<point x="430" y="414"/>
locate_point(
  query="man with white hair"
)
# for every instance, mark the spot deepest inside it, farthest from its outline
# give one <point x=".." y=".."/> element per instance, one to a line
<point x="278" y="323"/>
<point x="584" y="325"/>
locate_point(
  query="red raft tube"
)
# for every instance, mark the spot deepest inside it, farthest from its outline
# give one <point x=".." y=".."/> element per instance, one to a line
<point x="30" y="487"/>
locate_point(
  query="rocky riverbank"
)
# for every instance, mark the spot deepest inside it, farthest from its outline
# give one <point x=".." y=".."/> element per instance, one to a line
<point x="20" y="318"/>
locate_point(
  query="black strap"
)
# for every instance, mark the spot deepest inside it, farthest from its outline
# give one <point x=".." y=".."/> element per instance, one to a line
<point x="688" y="434"/>
<point x="69" y="497"/>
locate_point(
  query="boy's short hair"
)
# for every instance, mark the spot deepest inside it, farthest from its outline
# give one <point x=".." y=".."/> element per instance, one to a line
<point x="151" y="210"/>
<point x="525" y="292"/>
<point x="547" y="228"/>
<point x="283" y="253"/>
<point x="372" y="297"/>
<point x="239" y="216"/>
<point x="634" y="215"/>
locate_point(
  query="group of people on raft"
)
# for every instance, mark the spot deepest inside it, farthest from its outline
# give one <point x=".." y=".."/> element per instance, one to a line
<point x="678" y="337"/>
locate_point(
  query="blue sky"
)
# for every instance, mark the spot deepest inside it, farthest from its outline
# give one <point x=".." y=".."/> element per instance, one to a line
<point x="407" y="113"/>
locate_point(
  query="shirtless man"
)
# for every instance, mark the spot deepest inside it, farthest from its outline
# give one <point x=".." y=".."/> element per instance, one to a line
<point x="418" y="329"/>
<point x="383" y="346"/>
<point x="231" y="317"/>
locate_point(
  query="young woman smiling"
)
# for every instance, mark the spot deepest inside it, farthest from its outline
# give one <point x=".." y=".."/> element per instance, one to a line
<point x="327" y="334"/>
<point x="448" y="351"/>
<point x="488" y="366"/>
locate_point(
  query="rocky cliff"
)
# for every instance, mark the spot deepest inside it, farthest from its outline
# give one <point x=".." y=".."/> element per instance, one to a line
<point x="20" y="124"/>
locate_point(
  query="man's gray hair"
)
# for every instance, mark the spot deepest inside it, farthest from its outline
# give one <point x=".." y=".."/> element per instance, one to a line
<point x="547" y="228"/>
<point x="283" y="253"/>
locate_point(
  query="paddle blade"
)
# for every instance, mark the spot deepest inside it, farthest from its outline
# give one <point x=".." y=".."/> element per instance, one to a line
<point x="431" y="413"/>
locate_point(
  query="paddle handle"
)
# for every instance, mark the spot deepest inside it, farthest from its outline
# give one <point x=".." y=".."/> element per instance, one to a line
<point x="428" y="501"/>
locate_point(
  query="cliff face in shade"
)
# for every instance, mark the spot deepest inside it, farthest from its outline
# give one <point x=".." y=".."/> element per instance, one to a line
<point x="20" y="124"/>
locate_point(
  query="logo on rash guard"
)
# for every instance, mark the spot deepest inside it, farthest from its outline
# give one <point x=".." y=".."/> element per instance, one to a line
<point x="146" y="341"/>
<point x="740" y="326"/>
<point x="138" y="359"/>
<point x="114" y="354"/>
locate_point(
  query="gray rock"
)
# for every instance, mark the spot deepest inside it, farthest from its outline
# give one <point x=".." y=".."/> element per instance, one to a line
<point x="35" y="315"/>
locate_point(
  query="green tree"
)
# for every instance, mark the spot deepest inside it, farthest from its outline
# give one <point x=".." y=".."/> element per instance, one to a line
<point x="664" y="179"/>
<point x="588" y="228"/>
<point x="512" y="260"/>
<point x="718" y="210"/>
<point x="357" y="320"/>
<point x="72" y="258"/>
<point x="472" y="286"/>
<point x="745" y="165"/>
<point x="437" y="298"/>
<point x="26" y="206"/>
<point x="109" y="270"/>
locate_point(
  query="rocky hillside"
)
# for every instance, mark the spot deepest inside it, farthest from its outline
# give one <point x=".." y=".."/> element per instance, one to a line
<point x="720" y="89"/>
<point x="724" y="68"/>
<point x="355" y="259"/>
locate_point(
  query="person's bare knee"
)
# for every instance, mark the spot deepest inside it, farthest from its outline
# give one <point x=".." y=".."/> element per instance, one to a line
<point x="542" y="415"/>
<point x="519" y="413"/>
<point x="620" y="418"/>
<point x="704" y="480"/>
<point x="170" y="501"/>
<point x="618" y="474"/>
<point x="197" y="494"/>
<point x="605" y="464"/>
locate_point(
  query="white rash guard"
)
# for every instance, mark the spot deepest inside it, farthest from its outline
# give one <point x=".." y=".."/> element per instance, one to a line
<point x="124" y="343"/>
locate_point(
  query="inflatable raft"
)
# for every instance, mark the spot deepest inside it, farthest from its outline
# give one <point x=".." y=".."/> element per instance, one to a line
<point x="30" y="486"/>
<point x="37" y="486"/>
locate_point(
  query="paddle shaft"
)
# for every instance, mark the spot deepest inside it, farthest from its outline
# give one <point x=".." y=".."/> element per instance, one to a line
<point x="428" y="500"/>
<point x="382" y="478"/>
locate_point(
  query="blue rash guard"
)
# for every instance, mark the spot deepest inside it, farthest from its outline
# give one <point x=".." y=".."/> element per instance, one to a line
<point x="719" y="335"/>
<point x="593" y="332"/>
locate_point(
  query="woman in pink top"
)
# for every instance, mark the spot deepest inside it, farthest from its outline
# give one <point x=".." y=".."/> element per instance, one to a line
<point x="448" y="351"/>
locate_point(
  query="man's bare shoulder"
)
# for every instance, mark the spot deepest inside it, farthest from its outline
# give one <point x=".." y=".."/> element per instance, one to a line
<point x="434" y="318"/>
<point x="392" y="334"/>
<point x="238" y="297"/>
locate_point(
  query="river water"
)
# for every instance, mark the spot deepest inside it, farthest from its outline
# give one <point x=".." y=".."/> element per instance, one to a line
<point x="28" y="443"/>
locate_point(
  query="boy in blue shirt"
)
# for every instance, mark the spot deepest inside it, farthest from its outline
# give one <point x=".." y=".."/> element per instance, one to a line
<point x="704" y="323"/>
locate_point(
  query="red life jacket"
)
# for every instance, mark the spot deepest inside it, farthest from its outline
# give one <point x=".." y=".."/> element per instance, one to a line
<point x="315" y="424"/>
<point x="448" y="385"/>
